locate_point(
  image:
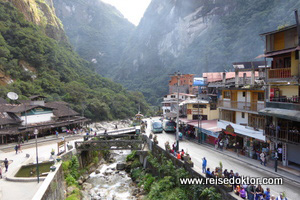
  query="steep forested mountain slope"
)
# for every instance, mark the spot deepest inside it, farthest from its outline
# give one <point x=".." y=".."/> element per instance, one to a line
<point x="98" y="31"/>
<point x="192" y="36"/>
<point x="197" y="36"/>
<point x="33" y="63"/>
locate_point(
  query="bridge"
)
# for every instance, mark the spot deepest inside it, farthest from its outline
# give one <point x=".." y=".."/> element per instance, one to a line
<point x="114" y="140"/>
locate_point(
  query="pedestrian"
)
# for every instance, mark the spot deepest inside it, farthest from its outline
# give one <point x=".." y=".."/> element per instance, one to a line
<point x="62" y="138"/>
<point x="262" y="158"/>
<point x="281" y="197"/>
<point x="116" y="126"/>
<point x="208" y="173"/>
<point x="221" y="143"/>
<point x="251" y="192"/>
<point x="16" y="149"/>
<point x="95" y="134"/>
<point x="182" y="154"/>
<point x="216" y="143"/>
<point x="243" y="193"/>
<point x="237" y="147"/>
<point x="178" y="155"/>
<point x="6" y="164"/>
<point x="259" y="192"/>
<point x="19" y="148"/>
<point x="226" y="142"/>
<point x="56" y="133"/>
<point x="204" y="164"/>
<point x="268" y="194"/>
<point x="226" y="173"/>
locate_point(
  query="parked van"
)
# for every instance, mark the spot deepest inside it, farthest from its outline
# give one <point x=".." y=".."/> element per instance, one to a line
<point x="157" y="127"/>
<point x="169" y="125"/>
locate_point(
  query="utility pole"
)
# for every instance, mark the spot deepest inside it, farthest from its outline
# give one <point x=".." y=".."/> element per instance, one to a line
<point x="177" y="118"/>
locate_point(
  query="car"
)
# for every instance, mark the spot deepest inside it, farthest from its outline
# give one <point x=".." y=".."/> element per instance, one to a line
<point x="157" y="127"/>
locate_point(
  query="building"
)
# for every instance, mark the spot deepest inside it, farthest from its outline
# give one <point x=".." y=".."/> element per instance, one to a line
<point x="185" y="84"/>
<point x="169" y="104"/>
<point x="282" y="110"/>
<point x="22" y="119"/>
<point x="240" y="101"/>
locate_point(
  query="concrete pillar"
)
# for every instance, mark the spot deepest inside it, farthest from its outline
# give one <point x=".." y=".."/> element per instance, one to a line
<point x="244" y="78"/>
<point x="252" y="77"/>
<point x="236" y="79"/>
<point x="224" y="78"/>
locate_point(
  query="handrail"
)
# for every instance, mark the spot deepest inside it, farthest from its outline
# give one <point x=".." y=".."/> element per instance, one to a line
<point x="241" y="105"/>
<point x="280" y="73"/>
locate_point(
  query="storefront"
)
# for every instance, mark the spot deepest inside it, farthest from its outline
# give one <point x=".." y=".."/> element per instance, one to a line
<point x="251" y="142"/>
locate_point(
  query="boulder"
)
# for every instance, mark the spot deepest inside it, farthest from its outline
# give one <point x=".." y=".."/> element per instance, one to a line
<point x="121" y="166"/>
<point x="97" y="171"/>
<point x="85" y="177"/>
<point x="87" y="186"/>
<point x="70" y="189"/>
<point x="80" y="182"/>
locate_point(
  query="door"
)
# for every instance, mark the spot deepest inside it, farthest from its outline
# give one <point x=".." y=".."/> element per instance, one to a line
<point x="233" y="99"/>
<point x="254" y="101"/>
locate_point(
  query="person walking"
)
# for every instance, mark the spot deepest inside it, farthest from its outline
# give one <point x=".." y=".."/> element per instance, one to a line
<point x="6" y="164"/>
<point x="268" y="194"/>
<point x="237" y="147"/>
<point x="251" y="192"/>
<point x="16" y="149"/>
<point x="19" y="148"/>
<point x="281" y="197"/>
<point x="262" y="158"/>
<point x="259" y="192"/>
<point x="204" y="164"/>
<point x="221" y="144"/>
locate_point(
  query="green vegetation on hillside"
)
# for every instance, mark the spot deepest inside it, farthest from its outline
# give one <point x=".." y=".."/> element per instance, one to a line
<point x="57" y="72"/>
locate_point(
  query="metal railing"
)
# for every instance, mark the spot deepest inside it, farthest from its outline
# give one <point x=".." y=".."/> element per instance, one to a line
<point x="280" y="73"/>
<point x="241" y="105"/>
<point x="294" y="99"/>
<point x="292" y="136"/>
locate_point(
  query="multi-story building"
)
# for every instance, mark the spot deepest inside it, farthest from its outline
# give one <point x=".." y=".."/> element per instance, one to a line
<point x="282" y="105"/>
<point x="185" y="84"/>
<point x="239" y="104"/>
<point x="169" y="104"/>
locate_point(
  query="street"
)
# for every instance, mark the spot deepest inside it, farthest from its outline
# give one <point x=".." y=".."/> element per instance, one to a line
<point x="197" y="152"/>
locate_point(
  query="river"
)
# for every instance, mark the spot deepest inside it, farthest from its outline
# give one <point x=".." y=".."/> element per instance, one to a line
<point x="112" y="184"/>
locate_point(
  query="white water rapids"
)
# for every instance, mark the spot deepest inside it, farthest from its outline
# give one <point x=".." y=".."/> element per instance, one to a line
<point x="111" y="184"/>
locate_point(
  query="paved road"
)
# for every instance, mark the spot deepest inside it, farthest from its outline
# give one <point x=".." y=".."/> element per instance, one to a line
<point x="213" y="157"/>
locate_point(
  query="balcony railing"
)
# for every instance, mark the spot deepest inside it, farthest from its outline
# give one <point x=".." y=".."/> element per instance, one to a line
<point x="294" y="99"/>
<point x="280" y="73"/>
<point x="241" y="105"/>
<point x="292" y="136"/>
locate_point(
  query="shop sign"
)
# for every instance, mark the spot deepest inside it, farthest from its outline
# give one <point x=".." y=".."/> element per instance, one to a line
<point x="229" y="129"/>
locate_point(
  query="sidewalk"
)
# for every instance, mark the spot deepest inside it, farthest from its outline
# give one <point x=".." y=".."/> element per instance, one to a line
<point x="281" y="171"/>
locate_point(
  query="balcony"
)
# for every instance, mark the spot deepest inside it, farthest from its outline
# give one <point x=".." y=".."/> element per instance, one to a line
<point x="241" y="105"/>
<point x="280" y="73"/>
<point x="291" y="136"/>
<point x="283" y="102"/>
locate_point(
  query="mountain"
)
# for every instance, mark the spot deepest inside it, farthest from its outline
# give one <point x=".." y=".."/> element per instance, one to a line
<point x="197" y="36"/>
<point x="36" y="58"/>
<point x="191" y="36"/>
<point x="97" y="31"/>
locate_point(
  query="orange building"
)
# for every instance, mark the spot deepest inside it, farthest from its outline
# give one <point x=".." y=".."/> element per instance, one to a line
<point x="185" y="84"/>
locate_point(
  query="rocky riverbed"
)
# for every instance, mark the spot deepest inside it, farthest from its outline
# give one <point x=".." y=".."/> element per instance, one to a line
<point x="110" y="125"/>
<point x="110" y="182"/>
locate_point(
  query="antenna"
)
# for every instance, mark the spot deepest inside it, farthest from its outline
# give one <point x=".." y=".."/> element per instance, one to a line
<point x="12" y="96"/>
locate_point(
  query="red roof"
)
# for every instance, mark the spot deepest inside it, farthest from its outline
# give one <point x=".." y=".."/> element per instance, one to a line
<point x="217" y="76"/>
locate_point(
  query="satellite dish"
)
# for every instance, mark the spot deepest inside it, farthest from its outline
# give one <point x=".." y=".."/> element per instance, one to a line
<point x="12" y="96"/>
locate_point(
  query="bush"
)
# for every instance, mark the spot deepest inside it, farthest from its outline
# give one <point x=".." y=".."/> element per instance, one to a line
<point x="74" y="167"/>
<point x="135" y="164"/>
<point x="66" y="165"/>
<point x="70" y="180"/>
<point x="131" y="156"/>
<point x="210" y="194"/>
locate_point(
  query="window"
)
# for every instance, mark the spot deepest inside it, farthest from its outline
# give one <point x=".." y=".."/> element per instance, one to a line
<point x="172" y="96"/>
<point x="261" y="96"/>
<point x="244" y="94"/>
<point x="227" y="94"/>
<point x="256" y="121"/>
<point x="243" y="115"/>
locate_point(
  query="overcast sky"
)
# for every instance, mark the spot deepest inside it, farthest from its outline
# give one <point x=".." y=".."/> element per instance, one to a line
<point x="133" y="10"/>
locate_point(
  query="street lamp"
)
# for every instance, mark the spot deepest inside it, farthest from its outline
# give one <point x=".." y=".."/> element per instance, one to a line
<point x="37" y="159"/>
<point x="199" y="122"/>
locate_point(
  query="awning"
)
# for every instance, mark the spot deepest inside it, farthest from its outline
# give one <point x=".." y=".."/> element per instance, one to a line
<point x="208" y="127"/>
<point x="293" y="115"/>
<point x="243" y="130"/>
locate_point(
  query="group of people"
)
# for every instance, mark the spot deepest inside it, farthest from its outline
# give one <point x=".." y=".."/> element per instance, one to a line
<point x="249" y="192"/>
